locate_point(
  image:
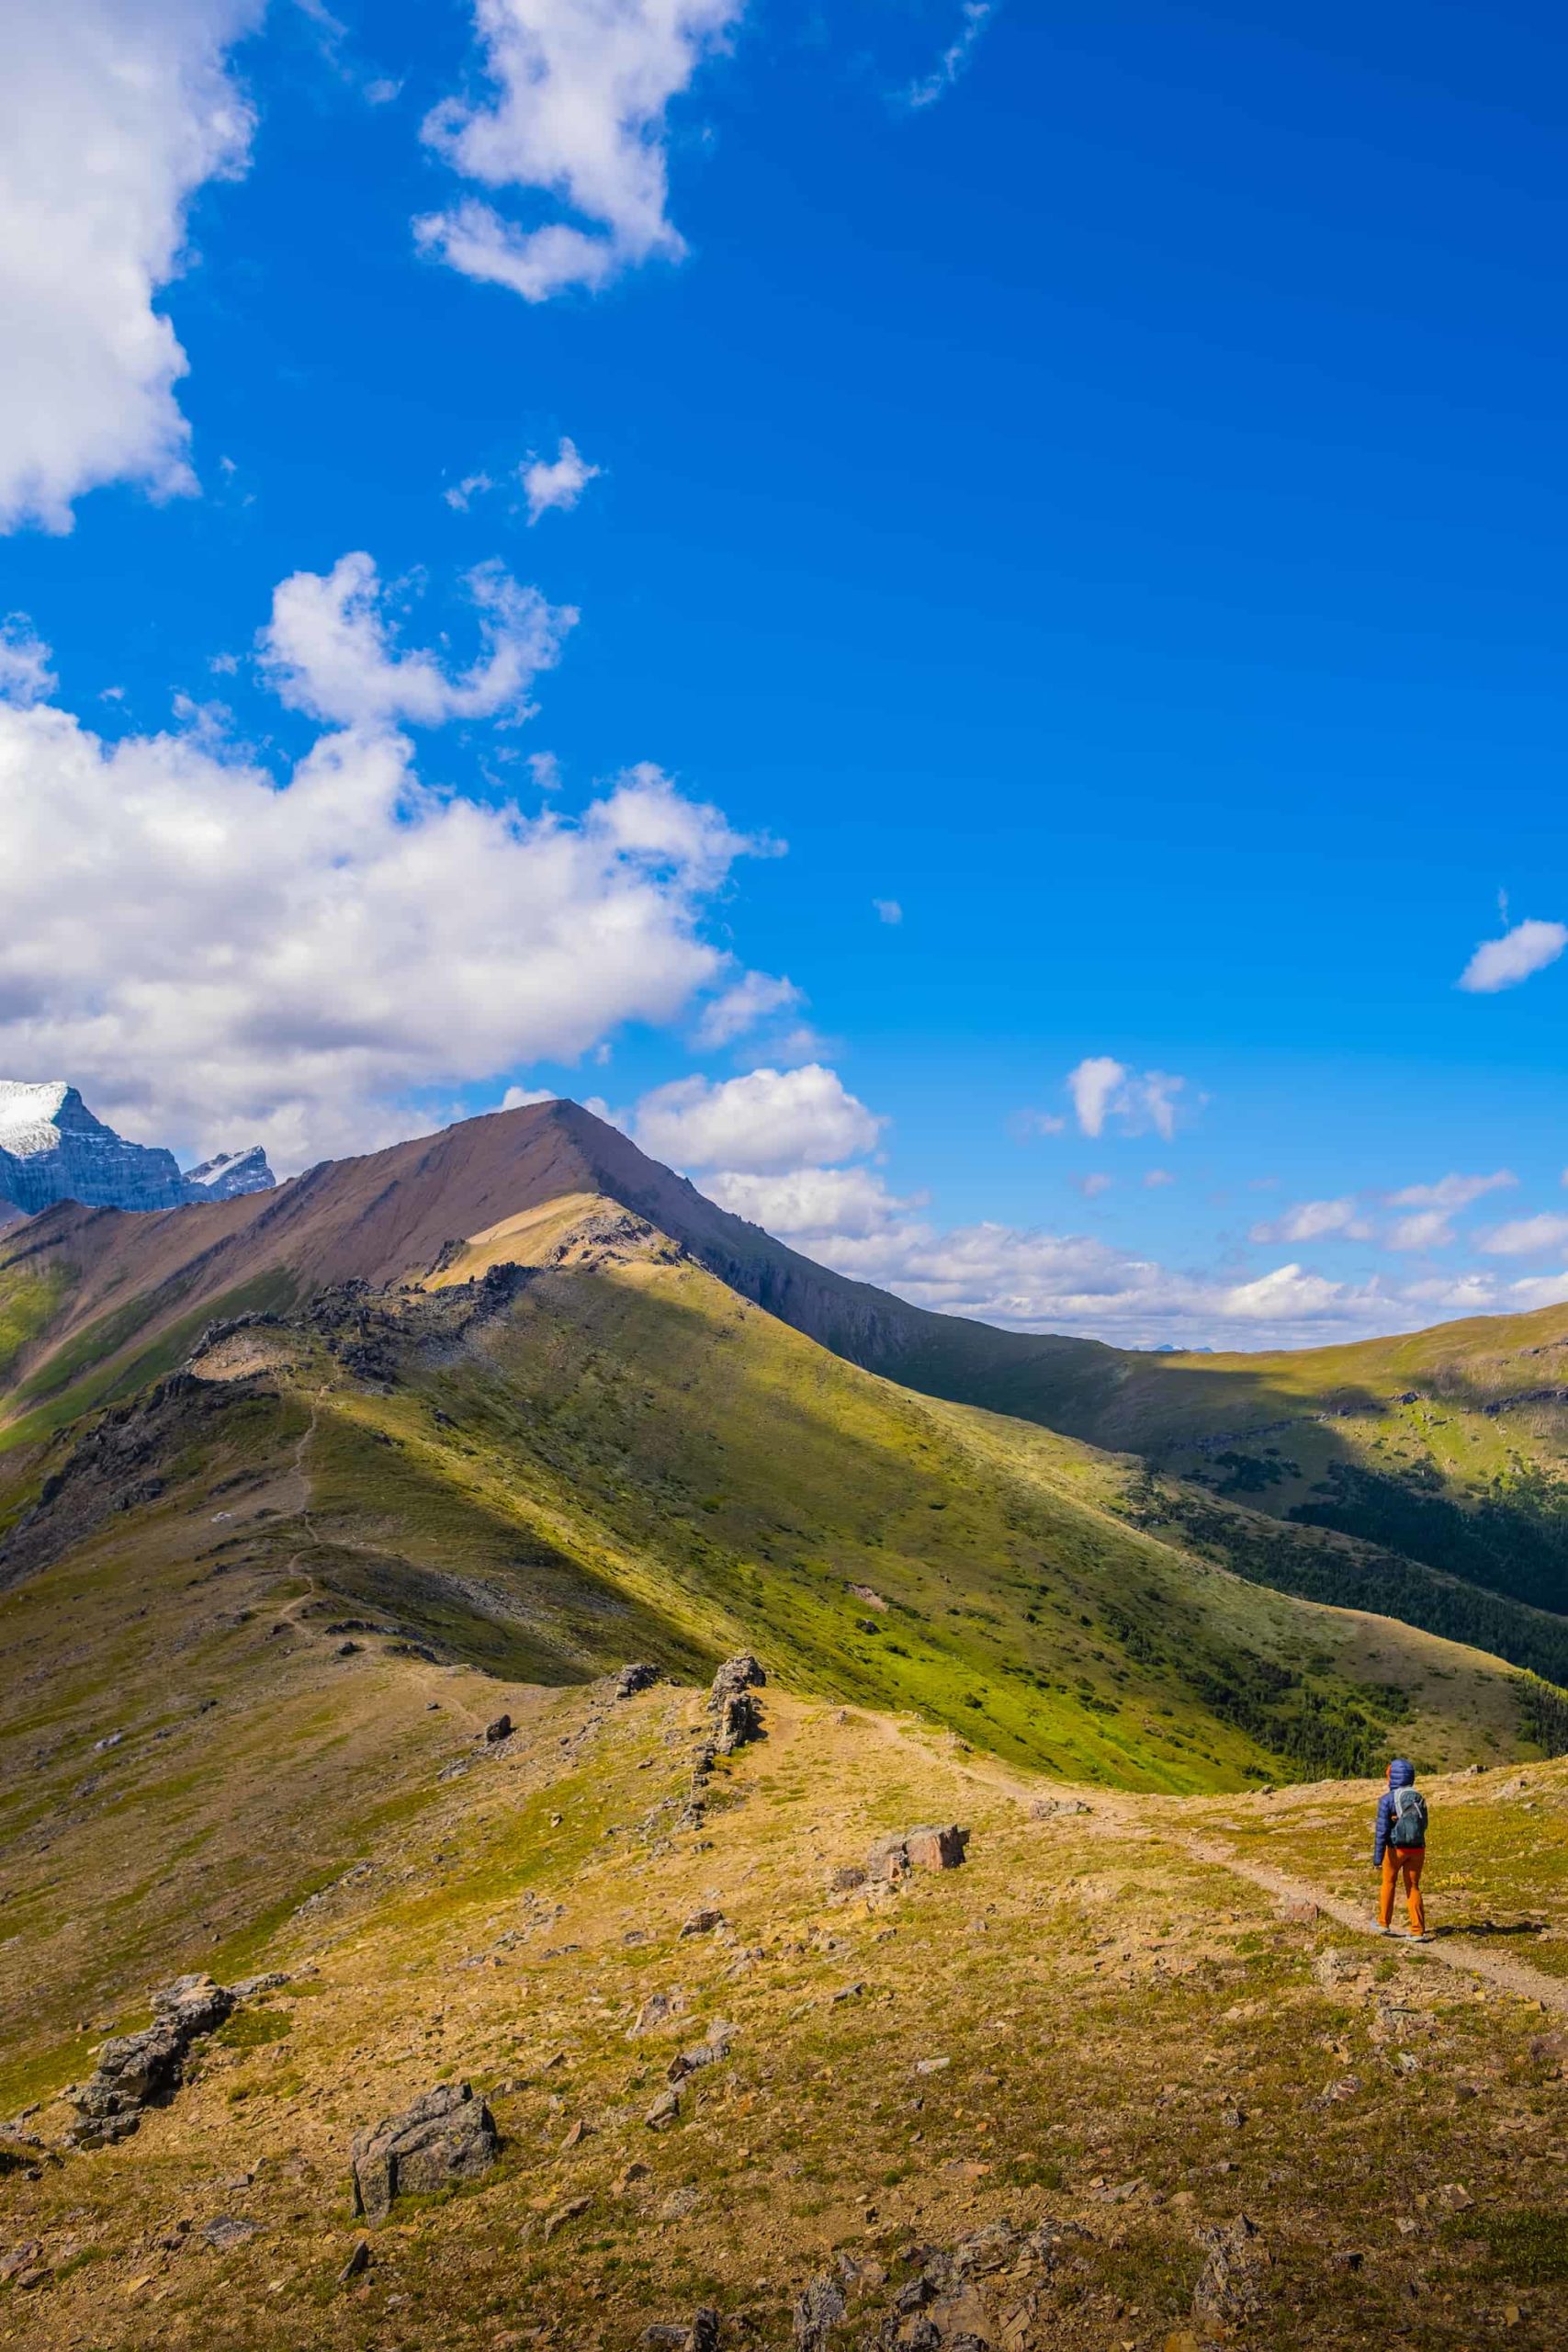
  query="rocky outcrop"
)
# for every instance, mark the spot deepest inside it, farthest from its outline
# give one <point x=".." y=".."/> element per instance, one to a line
<point x="136" y="2071"/>
<point x="447" y="2135"/>
<point x="53" y="1148"/>
<point x="736" y="1715"/>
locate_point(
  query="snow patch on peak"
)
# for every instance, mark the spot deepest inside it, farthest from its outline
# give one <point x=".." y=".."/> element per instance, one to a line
<point x="30" y="1112"/>
<point x="228" y="1174"/>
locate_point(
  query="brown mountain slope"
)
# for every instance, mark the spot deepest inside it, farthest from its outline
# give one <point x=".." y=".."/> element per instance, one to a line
<point x="388" y="1215"/>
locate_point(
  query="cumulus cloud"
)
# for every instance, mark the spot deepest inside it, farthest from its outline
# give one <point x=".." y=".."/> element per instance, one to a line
<point x="753" y="997"/>
<point x="1102" y="1089"/>
<point x="25" y="675"/>
<point x="113" y="113"/>
<point x="1502" y="963"/>
<point x="329" y="649"/>
<point x="888" y="910"/>
<point x="1525" y="1236"/>
<point x="1092" y="1185"/>
<point x="1314" y="1221"/>
<point x="769" y="1121"/>
<point x="935" y="84"/>
<point x="208" y="953"/>
<point x="558" y="482"/>
<point x="812" y="1204"/>
<point x="580" y="90"/>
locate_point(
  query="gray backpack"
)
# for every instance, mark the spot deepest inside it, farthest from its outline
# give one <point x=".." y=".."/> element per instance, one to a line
<point x="1408" y="1827"/>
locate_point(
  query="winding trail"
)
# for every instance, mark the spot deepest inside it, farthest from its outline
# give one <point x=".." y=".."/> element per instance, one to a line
<point x="1454" y="1948"/>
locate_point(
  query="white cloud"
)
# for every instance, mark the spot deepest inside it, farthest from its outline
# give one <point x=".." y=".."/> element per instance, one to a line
<point x="888" y="910"/>
<point x="1102" y="1088"/>
<point x="1156" y="1177"/>
<point x="1504" y="963"/>
<point x="209" y="954"/>
<point x="1092" y="1186"/>
<point x="768" y="1122"/>
<point x="518" y="1098"/>
<point x="25" y="675"/>
<point x="811" y="1205"/>
<point x="954" y="59"/>
<point x="462" y="494"/>
<point x="1451" y="1191"/>
<point x="753" y="997"/>
<point x="1286" y="1295"/>
<point x="1524" y="1236"/>
<point x="113" y="113"/>
<point x="1427" y="1230"/>
<point x="328" y="650"/>
<point x="581" y="89"/>
<point x="1314" y="1221"/>
<point x="561" y="482"/>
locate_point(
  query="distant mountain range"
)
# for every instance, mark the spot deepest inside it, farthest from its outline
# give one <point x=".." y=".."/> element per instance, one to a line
<point x="52" y="1148"/>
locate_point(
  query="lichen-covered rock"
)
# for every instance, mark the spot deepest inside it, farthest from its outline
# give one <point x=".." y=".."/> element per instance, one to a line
<point x="1230" y="2285"/>
<point x="447" y="2135"/>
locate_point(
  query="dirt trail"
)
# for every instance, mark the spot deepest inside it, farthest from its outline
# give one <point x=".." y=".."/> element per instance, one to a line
<point x="1455" y="1951"/>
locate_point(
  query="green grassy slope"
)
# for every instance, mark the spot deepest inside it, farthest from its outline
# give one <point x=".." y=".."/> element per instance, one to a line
<point x="1090" y="2030"/>
<point x="273" y="1587"/>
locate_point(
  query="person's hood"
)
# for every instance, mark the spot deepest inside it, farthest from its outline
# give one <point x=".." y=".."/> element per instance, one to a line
<point x="1400" y="1773"/>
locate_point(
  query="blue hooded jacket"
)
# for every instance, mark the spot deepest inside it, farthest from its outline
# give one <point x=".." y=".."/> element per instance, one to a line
<point x="1401" y="1775"/>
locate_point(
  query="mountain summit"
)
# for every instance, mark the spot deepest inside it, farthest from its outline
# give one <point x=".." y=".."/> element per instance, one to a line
<point x="53" y="1148"/>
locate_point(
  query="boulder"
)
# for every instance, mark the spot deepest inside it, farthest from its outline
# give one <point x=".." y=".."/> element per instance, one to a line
<point x="447" y="2135"/>
<point x="499" y="1729"/>
<point x="632" y="1679"/>
<point x="936" y="1848"/>
<point x="929" y="1848"/>
<point x="818" y="2310"/>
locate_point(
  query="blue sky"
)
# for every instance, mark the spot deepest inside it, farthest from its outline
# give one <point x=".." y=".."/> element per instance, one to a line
<point x="1093" y="489"/>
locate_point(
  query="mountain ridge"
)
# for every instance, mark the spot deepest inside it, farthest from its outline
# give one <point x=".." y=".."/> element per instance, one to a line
<point x="1309" y="1444"/>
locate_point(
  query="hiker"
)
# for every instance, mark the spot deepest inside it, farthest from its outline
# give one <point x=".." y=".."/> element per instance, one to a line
<point x="1399" y="1847"/>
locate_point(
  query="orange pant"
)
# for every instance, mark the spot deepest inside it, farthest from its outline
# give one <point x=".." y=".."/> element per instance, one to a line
<point x="1403" y="1862"/>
